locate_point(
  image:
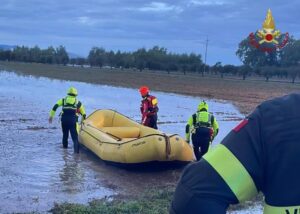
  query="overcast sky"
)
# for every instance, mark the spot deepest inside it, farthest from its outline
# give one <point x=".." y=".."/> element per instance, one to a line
<point x="179" y="25"/>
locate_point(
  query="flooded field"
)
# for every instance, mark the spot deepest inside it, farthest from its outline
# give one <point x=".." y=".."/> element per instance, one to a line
<point x="35" y="171"/>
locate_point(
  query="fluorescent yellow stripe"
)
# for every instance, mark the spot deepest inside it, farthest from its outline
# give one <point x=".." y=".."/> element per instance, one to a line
<point x="82" y="110"/>
<point x="281" y="210"/>
<point x="154" y="101"/>
<point x="77" y="127"/>
<point x="52" y="113"/>
<point x="232" y="172"/>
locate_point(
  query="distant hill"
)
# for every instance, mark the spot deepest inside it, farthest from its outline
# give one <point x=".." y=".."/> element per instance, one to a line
<point x="7" y="47"/>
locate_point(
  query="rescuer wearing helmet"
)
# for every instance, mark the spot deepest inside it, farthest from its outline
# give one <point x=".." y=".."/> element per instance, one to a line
<point x="261" y="154"/>
<point x="148" y="108"/>
<point x="71" y="107"/>
<point x="204" y="127"/>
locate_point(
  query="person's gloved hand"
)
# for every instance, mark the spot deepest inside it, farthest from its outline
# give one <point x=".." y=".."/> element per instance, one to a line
<point x="144" y="121"/>
<point x="188" y="141"/>
<point x="50" y="119"/>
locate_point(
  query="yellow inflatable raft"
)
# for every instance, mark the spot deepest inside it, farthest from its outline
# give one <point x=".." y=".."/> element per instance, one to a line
<point x="115" y="138"/>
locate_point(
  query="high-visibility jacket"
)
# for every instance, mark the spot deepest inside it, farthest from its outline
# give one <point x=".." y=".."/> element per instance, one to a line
<point x="201" y="119"/>
<point x="149" y="107"/>
<point x="261" y="154"/>
<point x="70" y="107"/>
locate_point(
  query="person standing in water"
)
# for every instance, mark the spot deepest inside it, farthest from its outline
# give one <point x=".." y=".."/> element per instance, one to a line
<point x="149" y="108"/>
<point x="71" y="107"/>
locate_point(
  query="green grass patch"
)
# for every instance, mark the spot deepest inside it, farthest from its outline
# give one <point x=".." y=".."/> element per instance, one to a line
<point x="155" y="201"/>
<point x="151" y="202"/>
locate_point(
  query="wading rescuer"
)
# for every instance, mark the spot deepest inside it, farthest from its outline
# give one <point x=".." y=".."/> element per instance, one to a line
<point x="204" y="127"/>
<point x="260" y="154"/>
<point x="71" y="108"/>
<point x="148" y="108"/>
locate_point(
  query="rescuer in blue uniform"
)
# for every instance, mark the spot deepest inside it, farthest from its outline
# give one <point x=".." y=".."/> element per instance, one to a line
<point x="204" y="128"/>
<point x="71" y="108"/>
<point x="261" y="154"/>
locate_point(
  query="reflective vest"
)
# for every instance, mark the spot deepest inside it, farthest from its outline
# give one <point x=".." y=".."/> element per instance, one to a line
<point x="70" y="106"/>
<point x="203" y="119"/>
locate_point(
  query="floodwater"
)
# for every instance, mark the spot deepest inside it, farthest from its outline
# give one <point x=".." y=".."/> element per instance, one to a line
<point x="35" y="171"/>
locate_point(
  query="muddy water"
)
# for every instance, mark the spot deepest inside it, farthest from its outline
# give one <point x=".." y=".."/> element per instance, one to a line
<point x="35" y="171"/>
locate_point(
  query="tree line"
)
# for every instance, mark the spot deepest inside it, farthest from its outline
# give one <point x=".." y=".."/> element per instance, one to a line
<point x="282" y="63"/>
<point x="156" y="58"/>
<point x="49" y="55"/>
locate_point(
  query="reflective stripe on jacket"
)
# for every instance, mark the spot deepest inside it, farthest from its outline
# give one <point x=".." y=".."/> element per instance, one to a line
<point x="70" y="106"/>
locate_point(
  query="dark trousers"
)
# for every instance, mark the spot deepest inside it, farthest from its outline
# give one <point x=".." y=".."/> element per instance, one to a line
<point x="69" y="125"/>
<point x="152" y="121"/>
<point x="201" y="139"/>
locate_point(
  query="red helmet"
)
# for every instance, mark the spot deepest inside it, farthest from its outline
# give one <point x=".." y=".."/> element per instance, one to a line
<point x="144" y="90"/>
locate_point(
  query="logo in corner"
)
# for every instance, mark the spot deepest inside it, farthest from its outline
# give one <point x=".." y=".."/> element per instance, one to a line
<point x="268" y="39"/>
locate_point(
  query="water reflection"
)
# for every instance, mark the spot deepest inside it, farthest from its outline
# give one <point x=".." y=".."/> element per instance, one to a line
<point x="71" y="174"/>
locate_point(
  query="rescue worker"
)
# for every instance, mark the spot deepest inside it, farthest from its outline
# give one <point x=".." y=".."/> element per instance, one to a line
<point x="204" y="127"/>
<point x="260" y="154"/>
<point x="71" y="107"/>
<point x="148" y="108"/>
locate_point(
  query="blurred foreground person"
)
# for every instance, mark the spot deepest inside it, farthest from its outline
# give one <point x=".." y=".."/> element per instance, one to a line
<point x="261" y="154"/>
<point x="71" y="107"/>
<point x="148" y="108"/>
<point x="204" y="127"/>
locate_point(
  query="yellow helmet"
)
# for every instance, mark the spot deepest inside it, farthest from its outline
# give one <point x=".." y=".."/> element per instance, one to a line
<point x="72" y="91"/>
<point x="203" y="106"/>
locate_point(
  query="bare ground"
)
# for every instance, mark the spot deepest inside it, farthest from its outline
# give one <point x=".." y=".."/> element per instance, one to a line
<point x="245" y="94"/>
